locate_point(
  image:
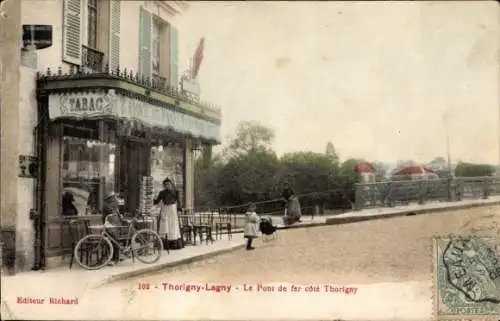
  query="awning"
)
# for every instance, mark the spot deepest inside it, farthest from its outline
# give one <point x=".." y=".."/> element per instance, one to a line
<point x="95" y="105"/>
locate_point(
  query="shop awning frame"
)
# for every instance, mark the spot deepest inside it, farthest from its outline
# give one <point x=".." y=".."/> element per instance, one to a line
<point x="127" y="85"/>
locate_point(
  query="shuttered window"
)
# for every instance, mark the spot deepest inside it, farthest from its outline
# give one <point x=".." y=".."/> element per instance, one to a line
<point x="145" y="25"/>
<point x="114" y="34"/>
<point x="72" y="38"/>
<point x="174" y="56"/>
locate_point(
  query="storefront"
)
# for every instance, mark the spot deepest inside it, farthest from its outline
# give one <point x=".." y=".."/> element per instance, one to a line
<point x="100" y="136"/>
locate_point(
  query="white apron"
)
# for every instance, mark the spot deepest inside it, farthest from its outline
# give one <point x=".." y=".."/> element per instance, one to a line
<point x="169" y="222"/>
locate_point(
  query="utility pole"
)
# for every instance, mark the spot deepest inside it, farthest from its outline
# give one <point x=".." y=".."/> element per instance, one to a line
<point x="446" y="118"/>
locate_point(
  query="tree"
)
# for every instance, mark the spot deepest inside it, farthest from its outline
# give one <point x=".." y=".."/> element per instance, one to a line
<point x="248" y="177"/>
<point x="473" y="170"/>
<point x="332" y="153"/>
<point x="251" y="136"/>
<point x="348" y="167"/>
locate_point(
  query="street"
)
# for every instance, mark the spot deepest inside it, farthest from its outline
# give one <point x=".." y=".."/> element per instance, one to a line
<point x="383" y="261"/>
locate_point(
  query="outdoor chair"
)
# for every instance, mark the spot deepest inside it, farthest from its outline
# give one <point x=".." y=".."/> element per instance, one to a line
<point x="203" y="226"/>
<point x="223" y="223"/>
<point x="186" y="227"/>
<point x="77" y="229"/>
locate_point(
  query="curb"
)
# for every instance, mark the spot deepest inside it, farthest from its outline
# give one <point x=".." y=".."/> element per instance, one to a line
<point x="347" y="220"/>
<point x="330" y="221"/>
<point x="164" y="266"/>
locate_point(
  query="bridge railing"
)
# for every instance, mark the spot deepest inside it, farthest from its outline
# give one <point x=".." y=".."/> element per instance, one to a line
<point x="394" y="193"/>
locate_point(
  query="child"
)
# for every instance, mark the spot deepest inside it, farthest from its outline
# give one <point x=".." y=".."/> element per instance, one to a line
<point x="251" y="230"/>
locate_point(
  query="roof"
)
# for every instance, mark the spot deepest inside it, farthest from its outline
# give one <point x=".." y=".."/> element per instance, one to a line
<point x="364" y="168"/>
<point x="413" y="170"/>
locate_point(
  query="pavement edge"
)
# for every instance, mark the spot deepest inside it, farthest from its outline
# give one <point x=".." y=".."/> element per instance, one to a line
<point x="167" y="265"/>
<point x="454" y="207"/>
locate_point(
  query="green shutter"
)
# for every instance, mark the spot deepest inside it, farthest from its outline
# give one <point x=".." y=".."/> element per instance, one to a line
<point x="72" y="35"/>
<point x="114" y="34"/>
<point x="145" y="21"/>
<point x="174" y="56"/>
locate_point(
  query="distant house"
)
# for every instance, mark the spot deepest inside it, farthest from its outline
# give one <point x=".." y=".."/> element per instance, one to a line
<point x="366" y="172"/>
<point x="413" y="173"/>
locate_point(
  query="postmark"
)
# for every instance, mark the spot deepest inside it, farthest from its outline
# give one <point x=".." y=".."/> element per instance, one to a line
<point x="467" y="277"/>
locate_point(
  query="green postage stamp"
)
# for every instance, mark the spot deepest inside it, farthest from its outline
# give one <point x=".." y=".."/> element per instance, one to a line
<point x="467" y="277"/>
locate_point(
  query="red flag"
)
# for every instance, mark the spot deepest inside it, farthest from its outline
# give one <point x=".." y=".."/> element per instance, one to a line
<point x="198" y="57"/>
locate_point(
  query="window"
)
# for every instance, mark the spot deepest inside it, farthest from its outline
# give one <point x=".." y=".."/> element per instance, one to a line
<point x="156" y="46"/>
<point x="92" y="24"/>
<point x="88" y="171"/>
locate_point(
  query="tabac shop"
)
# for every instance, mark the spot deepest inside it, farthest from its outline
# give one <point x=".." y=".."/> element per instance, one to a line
<point x="102" y="142"/>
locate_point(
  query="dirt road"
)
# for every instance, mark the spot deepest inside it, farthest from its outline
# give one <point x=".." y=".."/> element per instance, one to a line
<point x="391" y="250"/>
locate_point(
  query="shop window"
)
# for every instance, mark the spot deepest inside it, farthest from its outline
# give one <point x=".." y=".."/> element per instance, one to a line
<point x="87" y="173"/>
<point x="167" y="161"/>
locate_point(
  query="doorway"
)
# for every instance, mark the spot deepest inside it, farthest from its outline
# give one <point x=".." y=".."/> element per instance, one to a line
<point x="135" y="163"/>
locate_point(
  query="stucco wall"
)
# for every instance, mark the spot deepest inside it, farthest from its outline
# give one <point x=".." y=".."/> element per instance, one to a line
<point x="10" y="24"/>
<point x="25" y="186"/>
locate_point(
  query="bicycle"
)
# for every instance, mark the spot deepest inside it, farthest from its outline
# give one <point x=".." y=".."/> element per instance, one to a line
<point x="102" y="245"/>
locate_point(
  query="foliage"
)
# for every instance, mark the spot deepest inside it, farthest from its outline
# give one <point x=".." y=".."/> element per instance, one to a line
<point x="250" y="171"/>
<point x="331" y="153"/>
<point x="473" y="170"/>
<point x="251" y="136"/>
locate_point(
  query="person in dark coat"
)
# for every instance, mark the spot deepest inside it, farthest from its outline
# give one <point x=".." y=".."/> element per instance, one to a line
<point x="112" y="220"/>
<point x="68" y="208"/>
<point x="292" y="206"/>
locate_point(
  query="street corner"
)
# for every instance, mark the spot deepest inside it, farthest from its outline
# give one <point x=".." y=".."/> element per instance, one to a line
<point x="467" y="276"/>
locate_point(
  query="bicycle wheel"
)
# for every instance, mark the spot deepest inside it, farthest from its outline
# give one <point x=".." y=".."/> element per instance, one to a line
<point x="147" y="246"/>
<point x="93" y="251"/>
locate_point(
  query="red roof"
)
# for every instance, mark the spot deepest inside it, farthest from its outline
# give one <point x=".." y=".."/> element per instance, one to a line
<point x="364" y="168"/>
<point x="413" y="170"/>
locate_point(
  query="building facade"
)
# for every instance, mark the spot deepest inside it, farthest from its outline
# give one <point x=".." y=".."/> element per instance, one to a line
<point x="91" y="115"/>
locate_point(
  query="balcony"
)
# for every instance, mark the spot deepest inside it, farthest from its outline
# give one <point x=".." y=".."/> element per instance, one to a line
<point x="92" y="59"/>
<point x="159" y="81"/>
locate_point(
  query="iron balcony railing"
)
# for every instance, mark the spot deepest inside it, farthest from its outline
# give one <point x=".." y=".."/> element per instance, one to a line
<point x="159" y="81"/>
<point x="93" y="66"/>
<point x="92" y="59"/>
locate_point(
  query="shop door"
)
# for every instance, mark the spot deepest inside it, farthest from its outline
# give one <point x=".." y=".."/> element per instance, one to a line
<point x="135" y="166"/>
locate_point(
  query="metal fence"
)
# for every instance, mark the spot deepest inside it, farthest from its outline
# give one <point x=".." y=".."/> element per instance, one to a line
<point x="394" y="193"/>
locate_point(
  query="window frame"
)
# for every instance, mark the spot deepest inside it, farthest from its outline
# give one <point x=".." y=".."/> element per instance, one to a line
<point x="92" y="7"/>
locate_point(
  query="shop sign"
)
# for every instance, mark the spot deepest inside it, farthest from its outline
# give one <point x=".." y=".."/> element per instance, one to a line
<point x="95" y="105"/>
<point x="39" y="36"/>
<point x="190" y="87"/>
<point x="28" y="166"/>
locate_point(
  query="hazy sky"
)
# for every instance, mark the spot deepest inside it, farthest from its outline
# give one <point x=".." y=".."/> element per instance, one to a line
<point x="374" y="78"/>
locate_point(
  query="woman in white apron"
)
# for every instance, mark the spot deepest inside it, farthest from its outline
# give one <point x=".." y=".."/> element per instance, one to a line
<point x="169" y="228"/>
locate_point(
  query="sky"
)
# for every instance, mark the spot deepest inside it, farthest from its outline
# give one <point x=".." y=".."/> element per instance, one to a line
<point x="374" y="78"/>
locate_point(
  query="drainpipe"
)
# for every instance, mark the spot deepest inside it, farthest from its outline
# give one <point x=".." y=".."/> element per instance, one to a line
<point x="36" y="216"/>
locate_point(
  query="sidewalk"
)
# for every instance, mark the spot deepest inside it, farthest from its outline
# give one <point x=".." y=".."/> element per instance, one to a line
<point x="64" y="276"/>
<point x="387" y="212"/>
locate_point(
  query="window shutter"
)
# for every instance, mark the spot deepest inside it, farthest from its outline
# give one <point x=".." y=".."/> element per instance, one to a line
<point x="145" y="21"/>
<point x="114" y="34"/>
<point x="72" y="32"/>
<point x="174" y="56"/>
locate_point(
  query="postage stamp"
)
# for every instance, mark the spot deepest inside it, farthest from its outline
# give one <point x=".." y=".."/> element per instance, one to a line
<point x="467" y="277"/>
